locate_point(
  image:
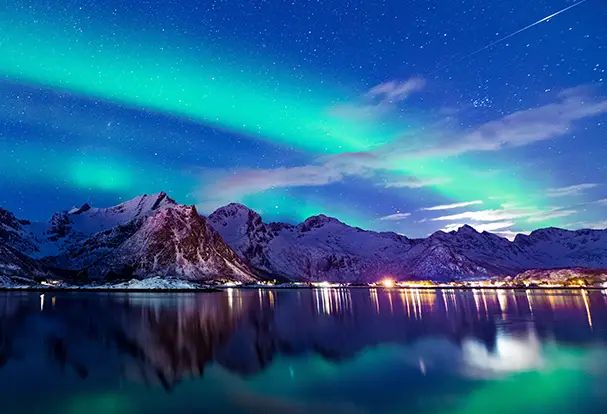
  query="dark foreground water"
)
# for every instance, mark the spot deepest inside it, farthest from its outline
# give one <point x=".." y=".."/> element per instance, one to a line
<point x="300" y="351"/>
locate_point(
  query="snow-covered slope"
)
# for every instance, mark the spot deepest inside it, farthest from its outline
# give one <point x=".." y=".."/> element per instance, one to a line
<point x="171" y="242"/>
<point x="147" y="236"/>
<point x="67" y="228"/>
<point x="14" y="263"/>
<point x="13" y="233"/>
<point x="323" y="248"/>
<point x="565" y="248"/>
<point x="591" y="276"/>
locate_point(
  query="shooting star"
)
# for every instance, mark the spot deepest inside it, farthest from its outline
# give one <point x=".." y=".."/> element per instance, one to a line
<point x="510" y="35"/>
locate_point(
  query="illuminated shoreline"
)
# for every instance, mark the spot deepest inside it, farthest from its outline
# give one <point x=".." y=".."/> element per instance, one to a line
<point x="160" y="284"/>
<point x="218" y="288"/>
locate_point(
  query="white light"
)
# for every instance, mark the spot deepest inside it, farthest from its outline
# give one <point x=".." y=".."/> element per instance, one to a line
<point x="388" y="283"/>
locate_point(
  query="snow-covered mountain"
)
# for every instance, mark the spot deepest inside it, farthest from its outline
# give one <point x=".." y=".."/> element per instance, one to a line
<point x="153" y="236"/>
<point x="562" y="275"/>
<point x="323" y="248"/>
<point x="148" y="236"/>
<point x="320" y="248"/>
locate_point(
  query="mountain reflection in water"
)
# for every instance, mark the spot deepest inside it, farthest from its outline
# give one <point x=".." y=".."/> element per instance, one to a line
<point x="322" y="350"/>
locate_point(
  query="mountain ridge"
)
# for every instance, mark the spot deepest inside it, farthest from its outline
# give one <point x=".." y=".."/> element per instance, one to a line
<point x="308" y="249"/>
<point x="153" y="235"/>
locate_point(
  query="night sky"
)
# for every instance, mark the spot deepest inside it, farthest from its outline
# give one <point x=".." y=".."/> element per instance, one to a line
<point x="384" y="114"/>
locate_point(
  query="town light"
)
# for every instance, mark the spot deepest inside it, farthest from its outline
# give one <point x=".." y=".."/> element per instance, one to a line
<point x="388" y="283"/>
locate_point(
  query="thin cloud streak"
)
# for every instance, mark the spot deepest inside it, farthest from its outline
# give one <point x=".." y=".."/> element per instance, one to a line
<point x="572" y="190"/>
<point x="412" y="182"/>
<point x="395" y="217"/>
<point x="396" y="90"/>
<point x="594" y="225"/>
<point x="452" y="206"/>
<point x="552" y="215"/>
<point x="491" y="215"/>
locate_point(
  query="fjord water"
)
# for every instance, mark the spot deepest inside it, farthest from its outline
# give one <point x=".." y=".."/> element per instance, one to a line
<point x="299" y="351"/>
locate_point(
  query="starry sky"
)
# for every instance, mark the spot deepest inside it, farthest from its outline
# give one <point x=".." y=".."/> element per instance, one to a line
<point x="407" y="116"/>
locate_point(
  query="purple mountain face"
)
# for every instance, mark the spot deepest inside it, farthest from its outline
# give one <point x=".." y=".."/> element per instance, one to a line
<point x="153" y="236"/>
<point x="147" y="236"/>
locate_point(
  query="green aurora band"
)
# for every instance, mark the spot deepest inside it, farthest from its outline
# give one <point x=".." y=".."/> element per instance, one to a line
<point x="209" y="89"/>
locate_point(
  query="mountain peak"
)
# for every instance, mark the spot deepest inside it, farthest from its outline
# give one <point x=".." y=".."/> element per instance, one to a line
<point x="235" y="210"/>
<point x="8" y="219"/>
<point x="320" y="220"/>
<point x="80" y="210"/>
<point x="467" y="229"/>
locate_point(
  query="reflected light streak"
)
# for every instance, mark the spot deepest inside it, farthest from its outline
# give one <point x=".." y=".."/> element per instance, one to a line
<point x="502" y="301"/>
<point x="476" y="294"/>
<point x="529" y="300"/>
<point x="587" y="306"/>
<point x="485" y="304"/>
<point x="326" y="300"/>
<point x="332" y="301"/>
<point x="405" y="299"/>
<point x="230" y="292"/>
<point x="374" y="298"/>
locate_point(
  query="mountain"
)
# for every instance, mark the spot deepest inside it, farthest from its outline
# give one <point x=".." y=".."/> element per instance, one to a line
<point x="14" y="235"/>
<point x="153" y="236"/>
<point x="13" y="263"/>
<point x="323" y="248"/>
<point x="14" y="247"/>
<point x="564" y="275"/>
<point x="148" y="236"/>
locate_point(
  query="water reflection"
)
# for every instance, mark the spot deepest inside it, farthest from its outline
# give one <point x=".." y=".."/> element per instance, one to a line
<point x="342" y="350"/>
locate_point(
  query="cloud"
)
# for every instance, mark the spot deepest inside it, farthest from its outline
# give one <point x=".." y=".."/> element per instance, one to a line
<point x="551" y="215"/>
<point x="480" y="227"/>
<point x="517" y="129"/>
<point x="377" y="101"/>
<point x="250" y="181"/>
<point x="396" y="90"/>
<point x="450" y="206"/>
<point x="413" y="182"/>
<point x="229" y="186"/>
<point x="596" y="225"/>
<point x="528" y="126"/>
<point x="491" y="215"/>
<point x="572" y="190"/>
<point x="395" y="217"/>
<point x="514" y="130"/>
<point x="531" y="214"/>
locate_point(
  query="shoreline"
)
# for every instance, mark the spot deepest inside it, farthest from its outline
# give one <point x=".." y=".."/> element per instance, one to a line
<point x="223" y="288"/>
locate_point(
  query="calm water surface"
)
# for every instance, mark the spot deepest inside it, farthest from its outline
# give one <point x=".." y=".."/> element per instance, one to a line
<point x="304" y="351"/>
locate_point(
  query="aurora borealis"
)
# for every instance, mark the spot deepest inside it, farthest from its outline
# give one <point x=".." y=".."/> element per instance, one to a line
<point x="285" y="107"/>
